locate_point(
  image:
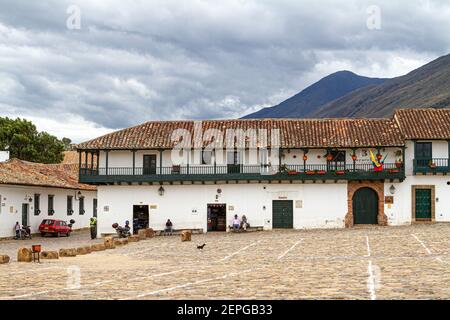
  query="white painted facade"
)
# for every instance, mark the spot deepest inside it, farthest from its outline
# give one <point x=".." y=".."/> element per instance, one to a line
<point x="186" y="205"/>
<point x="316" y="205"/>
<point x="12" y="197"/>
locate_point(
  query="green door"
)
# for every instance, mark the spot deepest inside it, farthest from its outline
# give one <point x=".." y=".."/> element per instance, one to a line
<point x="283" y="214"/>
<point x="25" y="213"/>
<point x="365" y="206"/>
<point x="423" y="204"/>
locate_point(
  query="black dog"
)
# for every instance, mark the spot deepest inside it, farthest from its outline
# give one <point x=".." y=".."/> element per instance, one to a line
<point x="201" y="247"/>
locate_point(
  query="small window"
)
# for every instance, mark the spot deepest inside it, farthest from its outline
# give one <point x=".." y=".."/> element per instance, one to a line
<point x="81" y="207"/>
<point x="69" y="205"/>
<point x="37" y="204"/>
<point x="51" y="210"/>
<point x="206" y="157"/>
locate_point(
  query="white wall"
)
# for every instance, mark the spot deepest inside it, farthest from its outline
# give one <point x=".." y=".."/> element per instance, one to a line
<point x="179" y="202"/>
<point x="401" y="211"/>
<point x="12" y="198"/>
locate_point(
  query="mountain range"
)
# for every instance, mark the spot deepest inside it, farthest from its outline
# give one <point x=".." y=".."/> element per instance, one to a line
<point x="345" y="94"/>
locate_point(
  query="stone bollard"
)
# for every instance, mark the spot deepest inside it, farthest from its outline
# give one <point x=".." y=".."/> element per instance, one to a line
<point x="109" y="243"/>
<point x="24" y="255"/>
<point x="98" y="247"/>
<point x="149" y="233"/>
<point x="142" y="234"/>
<point x="4" y="259"/>
<point x="118" y="242"/>
<point x="186" y="235"/>
<point x="82" y="251"/>
<point x="133" y="238"/>
<point x="72" y="252"/>
<point x="49" y="255"/>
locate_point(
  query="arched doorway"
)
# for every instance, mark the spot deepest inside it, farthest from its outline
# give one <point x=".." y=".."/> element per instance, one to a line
<point x="365" y="206"/>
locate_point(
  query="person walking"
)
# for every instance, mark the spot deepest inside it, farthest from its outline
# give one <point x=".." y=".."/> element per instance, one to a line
<point x="93" y="225"/>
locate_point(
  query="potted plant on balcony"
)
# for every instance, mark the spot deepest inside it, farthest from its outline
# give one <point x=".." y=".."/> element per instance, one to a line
<point x="399" y="164"/>
<point x="394" y="171"/>
<point x="310" y="172"/>
<point x="321" y="172"/>
<point x="340" y="172"/>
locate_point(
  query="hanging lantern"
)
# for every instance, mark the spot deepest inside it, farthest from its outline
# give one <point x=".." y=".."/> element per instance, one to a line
<point x="379" y="156"/>
<point x="305" y="157"/>
<point x="329" y="157"/>
<point x="354" y="157"/>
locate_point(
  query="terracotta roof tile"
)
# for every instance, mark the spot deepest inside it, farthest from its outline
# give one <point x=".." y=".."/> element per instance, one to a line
<point x="294" y="133"/>
<point x="424" y="123"/>
<point x="18" y="172"/>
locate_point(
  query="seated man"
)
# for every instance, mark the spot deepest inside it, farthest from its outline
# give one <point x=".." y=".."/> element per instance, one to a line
<point x="169" y="227"/>
<point x="236" y="223"/>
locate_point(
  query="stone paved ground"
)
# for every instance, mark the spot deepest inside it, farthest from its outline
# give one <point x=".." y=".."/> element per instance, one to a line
<point x="410" y="262"/>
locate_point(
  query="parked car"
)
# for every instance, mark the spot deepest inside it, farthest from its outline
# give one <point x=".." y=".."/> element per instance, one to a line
<point x="55" y="227"/>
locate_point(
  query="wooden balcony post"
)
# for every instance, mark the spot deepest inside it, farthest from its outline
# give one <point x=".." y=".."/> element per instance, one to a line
<point x="86" y="160"/>
<point x="92" y="161"/>
<point x="134" y="161"/>
<point x="106" y="159"/>
<point x="448" y="156"/>
<point x="215" y="162"/>
<point x="160" y="161"/>
<point x="79" y="160"/>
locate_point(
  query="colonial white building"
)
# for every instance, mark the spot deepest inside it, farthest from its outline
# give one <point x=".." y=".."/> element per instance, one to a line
<point x="280" y="173"/>
<point x="31" y="192"/>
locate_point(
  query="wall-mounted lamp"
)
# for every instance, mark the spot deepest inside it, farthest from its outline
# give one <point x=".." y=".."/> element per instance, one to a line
<point x="78" y="195"/>
<point x="392" y="189"/>
<point x="161" y="191"/>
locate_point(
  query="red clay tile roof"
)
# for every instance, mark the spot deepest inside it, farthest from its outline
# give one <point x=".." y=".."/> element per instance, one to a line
<point x="18" y="172"/>
<point x="295" y="133"/>
<point x="424" y="123"/>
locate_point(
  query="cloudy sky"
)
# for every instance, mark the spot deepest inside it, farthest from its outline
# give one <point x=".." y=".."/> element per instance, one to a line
<point x="134" y="61"/>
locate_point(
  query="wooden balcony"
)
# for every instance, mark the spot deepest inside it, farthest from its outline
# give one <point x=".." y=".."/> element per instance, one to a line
<point x="433" y="166"/>
<point x="331" y="171"/>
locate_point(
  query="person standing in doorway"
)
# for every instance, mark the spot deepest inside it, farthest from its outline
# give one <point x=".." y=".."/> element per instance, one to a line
<point x="93" y="225"/>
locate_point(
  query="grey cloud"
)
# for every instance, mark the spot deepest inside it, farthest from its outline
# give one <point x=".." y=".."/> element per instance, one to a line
<point x="166" y="59"/>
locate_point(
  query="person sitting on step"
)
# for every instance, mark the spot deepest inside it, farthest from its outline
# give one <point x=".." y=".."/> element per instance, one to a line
<point x="236" y="223"/>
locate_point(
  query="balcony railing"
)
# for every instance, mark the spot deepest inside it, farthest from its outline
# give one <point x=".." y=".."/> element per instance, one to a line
<point x="331" y="171"/>
<point x="435" y="165"/>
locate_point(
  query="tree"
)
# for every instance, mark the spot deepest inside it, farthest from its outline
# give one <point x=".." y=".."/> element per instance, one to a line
<point x="67" y="144"/>
<point x="21" y="138"/>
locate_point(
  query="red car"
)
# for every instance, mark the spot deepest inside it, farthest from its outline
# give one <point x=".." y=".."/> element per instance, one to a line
<point x="54" y="227"/>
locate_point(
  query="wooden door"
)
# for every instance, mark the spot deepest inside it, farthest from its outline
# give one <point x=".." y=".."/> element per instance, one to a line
<point x="423" y="204"/>
<point x="365" y="206"/>
<point x="149" y="164"/>
<point x="282" y="214"/>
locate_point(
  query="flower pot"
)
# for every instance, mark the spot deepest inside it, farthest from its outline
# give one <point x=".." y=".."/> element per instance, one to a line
<point x="399" y="164"/>
<point x="340" y="173"/>
<point x="321" y="172"/>
<point x="310" y="173"/>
